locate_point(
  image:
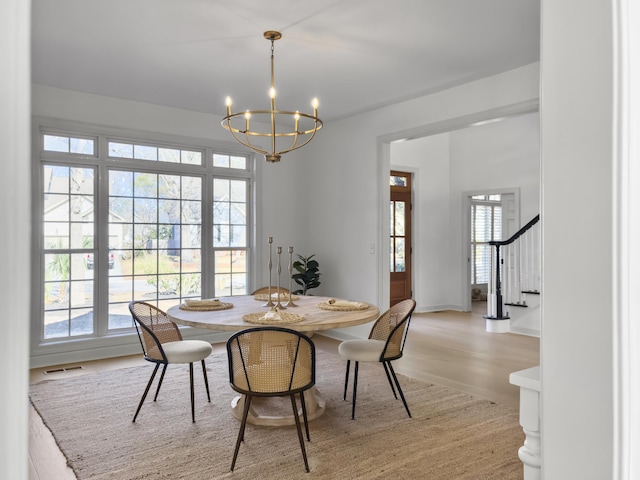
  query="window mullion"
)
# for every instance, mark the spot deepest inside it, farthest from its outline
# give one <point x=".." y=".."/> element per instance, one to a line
<point x="101" y="274"/>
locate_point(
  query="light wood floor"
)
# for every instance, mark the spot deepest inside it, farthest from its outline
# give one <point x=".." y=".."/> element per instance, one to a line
<point x="447" y="348"/>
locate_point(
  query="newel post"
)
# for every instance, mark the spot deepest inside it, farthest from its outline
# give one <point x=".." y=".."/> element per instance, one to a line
<point x="530" y="453"/>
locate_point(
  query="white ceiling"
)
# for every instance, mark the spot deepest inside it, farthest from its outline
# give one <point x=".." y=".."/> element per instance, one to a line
<point x="354" y="55"/>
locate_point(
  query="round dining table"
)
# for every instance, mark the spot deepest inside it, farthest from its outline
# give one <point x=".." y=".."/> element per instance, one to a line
<point x="232" y="318"/>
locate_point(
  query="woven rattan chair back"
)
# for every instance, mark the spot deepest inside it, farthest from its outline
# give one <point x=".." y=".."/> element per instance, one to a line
<point x="271" y="361"/>
<point x="154" y="328"/>
<point x="389" y="330"/>
<point x="392" y="327"/>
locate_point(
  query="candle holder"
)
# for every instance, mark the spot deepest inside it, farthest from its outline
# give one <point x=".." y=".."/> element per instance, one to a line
<point x="278" y="304"/>
<point x="270" y="265"/>
<point x="290" y="302"/>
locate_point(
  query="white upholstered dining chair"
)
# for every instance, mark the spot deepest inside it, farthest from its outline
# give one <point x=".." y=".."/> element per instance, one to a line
<point x="385" y="344"/>
<point x="162" y="344"/>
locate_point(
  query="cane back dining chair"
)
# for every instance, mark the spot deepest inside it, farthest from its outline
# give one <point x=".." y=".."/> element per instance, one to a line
<point x="162" y="344"/>
<point x="271" y="362"/>
<point x="385" y="344"/>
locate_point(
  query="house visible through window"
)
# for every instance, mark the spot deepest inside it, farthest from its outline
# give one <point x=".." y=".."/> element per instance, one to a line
<point x="141" y="221"/>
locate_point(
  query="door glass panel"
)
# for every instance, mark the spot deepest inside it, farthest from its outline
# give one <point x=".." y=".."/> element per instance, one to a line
<point x="399" y="223"/>
<point x="399" y="258"/>
<point x="397" y="181"/>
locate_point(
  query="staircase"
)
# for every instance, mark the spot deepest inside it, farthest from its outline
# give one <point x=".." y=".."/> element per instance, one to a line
<point x="513" y="298"/>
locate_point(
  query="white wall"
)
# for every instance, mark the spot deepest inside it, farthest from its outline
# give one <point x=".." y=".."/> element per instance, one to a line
<point x="14" y="241"/>
<point x="579" y="369"/>
<point x="349" y="211"/>
<point x="490" y="157"/>
<point x="346" y="156"/>
<point x="500" y="155"/>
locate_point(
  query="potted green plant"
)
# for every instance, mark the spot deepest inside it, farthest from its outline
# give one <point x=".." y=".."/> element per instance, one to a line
<point x="308" y="275"/>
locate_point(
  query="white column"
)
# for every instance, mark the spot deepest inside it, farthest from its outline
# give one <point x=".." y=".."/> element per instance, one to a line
<point x="15" y="218"/>
<point x="529" y="382"/>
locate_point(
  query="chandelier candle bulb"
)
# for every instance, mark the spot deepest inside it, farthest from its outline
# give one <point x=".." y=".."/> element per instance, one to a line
<point x="229" y="103"/>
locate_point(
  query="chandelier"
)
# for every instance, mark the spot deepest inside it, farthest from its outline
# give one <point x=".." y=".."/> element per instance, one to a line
<point x="287" y="131"/>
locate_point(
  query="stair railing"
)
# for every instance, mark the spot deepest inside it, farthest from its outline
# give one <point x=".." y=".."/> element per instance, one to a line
<point x="511" y="280"/>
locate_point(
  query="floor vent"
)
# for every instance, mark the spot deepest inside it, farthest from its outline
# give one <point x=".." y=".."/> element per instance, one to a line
<point x="65" y="369"/>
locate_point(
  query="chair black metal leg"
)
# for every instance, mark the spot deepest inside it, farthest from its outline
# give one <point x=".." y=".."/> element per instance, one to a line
<point x="146" y="391"/>
<point x="193" y="409"/>
<point x="245" y="413"/>
<point x="300" y="439"/>
<point x="386" y="370"/>
<point x="355" y="389"/>
<point x="206" y="380"/>
<point x="247" y="400"/>
<point x="164" y="369"/>
<point x="395" y="379"/>
<point x="304" y="415"/>
<point x="346" y="380"/>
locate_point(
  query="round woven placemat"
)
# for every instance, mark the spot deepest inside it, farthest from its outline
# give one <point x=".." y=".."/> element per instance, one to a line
<point x="205" y="308"/>
<point x="285" y="318"/>
<point x="263" y="297"/>
<point x="342" y="308"/>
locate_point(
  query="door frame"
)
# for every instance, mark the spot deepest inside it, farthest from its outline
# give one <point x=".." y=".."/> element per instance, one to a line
<point x="411" y="172"/>
<point x="466" y="234"/>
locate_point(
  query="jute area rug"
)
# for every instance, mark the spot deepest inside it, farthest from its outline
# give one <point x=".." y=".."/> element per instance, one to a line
<point x="452" y="435"/>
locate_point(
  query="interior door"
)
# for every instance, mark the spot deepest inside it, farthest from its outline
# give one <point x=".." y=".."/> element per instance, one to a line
<point x="400" y="237"/>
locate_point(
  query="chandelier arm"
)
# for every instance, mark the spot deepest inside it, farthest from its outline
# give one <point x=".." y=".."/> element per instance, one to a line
<point x="240" y="140"/>
<point x="302" y="144"/>
<point x="226" y="123"/>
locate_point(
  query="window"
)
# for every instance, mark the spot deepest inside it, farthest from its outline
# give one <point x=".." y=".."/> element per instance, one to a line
<point x="68" y="236"/>
<point x="230" y="236"/>
<point x="155" y="227"/>
<point x="154" y="153"/>
<point x="67" y="144"/>
<point x="486" y="225"/>
<point x="146" y="221"/>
